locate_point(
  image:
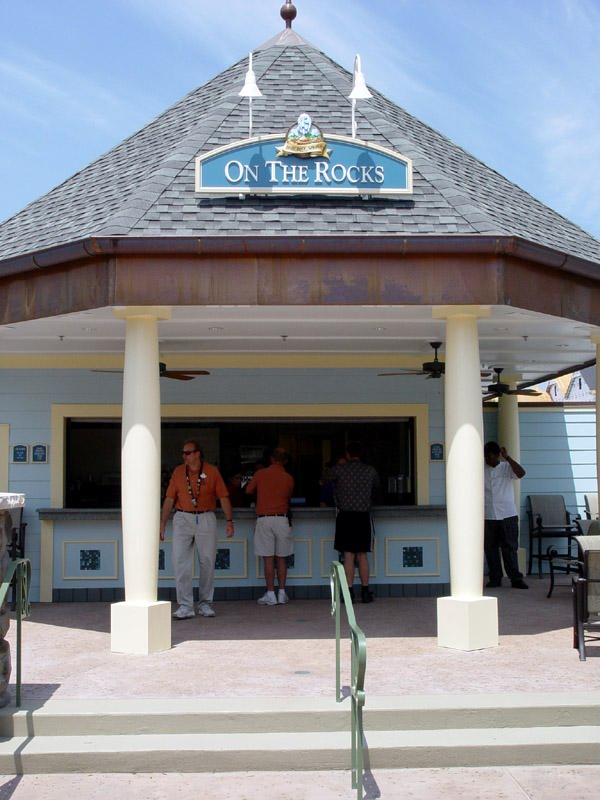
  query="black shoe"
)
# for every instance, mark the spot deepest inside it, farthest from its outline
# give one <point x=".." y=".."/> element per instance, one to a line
<point x="366" y="595"/>
<point x="520" y="584"/>
<point x="492" y="584"/>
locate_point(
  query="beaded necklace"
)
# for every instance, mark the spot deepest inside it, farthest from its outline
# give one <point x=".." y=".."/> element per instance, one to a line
<point x="198" y="484"/>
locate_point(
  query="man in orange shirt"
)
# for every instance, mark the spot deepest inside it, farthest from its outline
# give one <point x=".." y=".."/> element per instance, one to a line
<point x="273" y="534"/>
<point x="194" y="490"/>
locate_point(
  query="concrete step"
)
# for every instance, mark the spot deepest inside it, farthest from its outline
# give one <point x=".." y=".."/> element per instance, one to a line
<point x="299" y="714"/>
<point x="298" y="751"/>
<point x="272" y="734"/>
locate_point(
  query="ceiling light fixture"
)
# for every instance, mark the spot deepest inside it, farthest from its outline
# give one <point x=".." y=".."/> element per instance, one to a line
<point x="359" y="91"/>
<point x="250" y="90"/>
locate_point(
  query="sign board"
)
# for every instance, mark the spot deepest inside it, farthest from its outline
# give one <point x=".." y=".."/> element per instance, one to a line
<point x="20" y="454"/>
<point x="436" y="451"/>
<point x="39" y="453"/>
<point x="303" y="161"/>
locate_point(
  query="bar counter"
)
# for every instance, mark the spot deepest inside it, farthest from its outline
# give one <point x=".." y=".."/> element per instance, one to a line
<point x="410" y="553"/>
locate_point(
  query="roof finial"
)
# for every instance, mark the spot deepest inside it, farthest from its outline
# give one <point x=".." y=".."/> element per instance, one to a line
<point x="288" y="13"/>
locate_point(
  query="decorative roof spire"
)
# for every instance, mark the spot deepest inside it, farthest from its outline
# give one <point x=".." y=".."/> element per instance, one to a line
<point x="288" y="13"/>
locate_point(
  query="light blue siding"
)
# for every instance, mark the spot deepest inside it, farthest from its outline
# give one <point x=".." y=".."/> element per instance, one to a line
<point x="558" y="447"/>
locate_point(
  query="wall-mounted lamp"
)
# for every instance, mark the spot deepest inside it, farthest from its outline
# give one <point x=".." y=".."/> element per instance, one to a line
<point x="250" y="90"/>
<point x="359" y="91"/>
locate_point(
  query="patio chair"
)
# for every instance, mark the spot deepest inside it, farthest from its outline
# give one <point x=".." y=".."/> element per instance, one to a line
<point x="591" y="505"/>
<point x="548" y="519"/>
<point x="586" y="595"/>
<point x="567" y="562"/>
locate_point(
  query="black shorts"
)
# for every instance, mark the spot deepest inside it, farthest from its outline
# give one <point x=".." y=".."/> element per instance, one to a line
<point x="353" y="532"/>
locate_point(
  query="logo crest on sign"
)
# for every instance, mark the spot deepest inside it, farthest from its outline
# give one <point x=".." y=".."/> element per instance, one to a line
<point x="304" y="140"/>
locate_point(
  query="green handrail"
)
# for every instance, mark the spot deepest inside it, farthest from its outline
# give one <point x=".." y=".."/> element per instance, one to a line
<point x="358" y="666"/>
<point x="22" y="568"/>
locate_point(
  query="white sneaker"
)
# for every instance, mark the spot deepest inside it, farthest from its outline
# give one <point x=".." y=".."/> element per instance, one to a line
<point x="282" y="597"/>
<point x="183" y="613"/>
<point x="268" y="599"/>
<point x="205" y="610"/>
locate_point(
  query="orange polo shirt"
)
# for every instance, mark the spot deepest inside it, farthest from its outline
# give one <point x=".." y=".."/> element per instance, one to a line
<point x="273" y="487"/>
<point x="211" y="488"/>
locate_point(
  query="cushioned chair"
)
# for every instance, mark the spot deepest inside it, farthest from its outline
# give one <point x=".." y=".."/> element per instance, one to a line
<point x="548" y="519"/>
<point x="586" y="595"/>
<point x="591" y="505"/>
<point x="566" y="563"/>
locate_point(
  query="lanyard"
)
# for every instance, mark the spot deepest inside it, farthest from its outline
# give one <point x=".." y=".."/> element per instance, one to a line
<point x="189" y="486"/>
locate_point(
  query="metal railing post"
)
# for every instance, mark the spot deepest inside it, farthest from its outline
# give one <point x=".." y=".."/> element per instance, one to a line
<point x="22" y="568"/>
<point x="358" y="666"/>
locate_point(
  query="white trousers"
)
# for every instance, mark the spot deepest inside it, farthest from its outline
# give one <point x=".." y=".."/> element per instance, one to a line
<point x="201" y="530"/>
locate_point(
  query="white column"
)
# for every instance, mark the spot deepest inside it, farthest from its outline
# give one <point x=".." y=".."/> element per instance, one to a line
<point x="141" y="625"/>
<point x="466" y="619"/>
<point x="509" y="437"/>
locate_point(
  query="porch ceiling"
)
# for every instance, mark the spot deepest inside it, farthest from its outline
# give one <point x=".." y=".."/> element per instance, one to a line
<point x="525" y="342"/>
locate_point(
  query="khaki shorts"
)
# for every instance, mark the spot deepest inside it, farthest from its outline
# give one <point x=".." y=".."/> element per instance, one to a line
<point x="273" y="537"/>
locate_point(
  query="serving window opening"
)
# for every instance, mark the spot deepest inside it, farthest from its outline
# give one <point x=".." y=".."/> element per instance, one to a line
<point x="238" y="448"/>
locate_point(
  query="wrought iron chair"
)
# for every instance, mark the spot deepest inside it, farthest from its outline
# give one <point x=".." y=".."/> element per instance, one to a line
<point x="565" y="563"/>
<point x="586" y="595"/>
<point x="16" y="548"/>
<point x="548" y="519"/>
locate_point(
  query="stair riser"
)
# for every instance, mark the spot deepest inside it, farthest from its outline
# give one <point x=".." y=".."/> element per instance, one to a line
<point x="382" y="720"/>
<point x="78" y="725"/>
<point x="301" y="760"/>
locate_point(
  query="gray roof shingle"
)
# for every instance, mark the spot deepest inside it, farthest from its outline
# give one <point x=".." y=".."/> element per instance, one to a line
<point x="145" y="185"/>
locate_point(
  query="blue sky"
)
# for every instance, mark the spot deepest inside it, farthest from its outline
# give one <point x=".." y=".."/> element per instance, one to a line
<point x="515" y="82"/>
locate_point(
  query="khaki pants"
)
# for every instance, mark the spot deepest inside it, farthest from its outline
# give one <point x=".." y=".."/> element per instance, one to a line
<point x="201" y="530"/>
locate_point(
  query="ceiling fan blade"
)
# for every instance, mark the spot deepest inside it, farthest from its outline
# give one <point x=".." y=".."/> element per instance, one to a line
<point x="393" y="374"/>
<point x="191" y="371"/>
<point x="176" y="376"/>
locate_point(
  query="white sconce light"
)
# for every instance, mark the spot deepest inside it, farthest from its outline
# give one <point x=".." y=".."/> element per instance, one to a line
<point x="359" y="91"/>
<point x="250" y="90"/>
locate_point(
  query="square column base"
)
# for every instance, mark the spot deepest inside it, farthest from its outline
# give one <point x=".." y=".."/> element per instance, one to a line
<point x="467" y="624"/>
<point x="140" y="628"/>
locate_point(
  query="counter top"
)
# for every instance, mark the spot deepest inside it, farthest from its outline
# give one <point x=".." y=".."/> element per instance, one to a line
<point x="245" y="513"/>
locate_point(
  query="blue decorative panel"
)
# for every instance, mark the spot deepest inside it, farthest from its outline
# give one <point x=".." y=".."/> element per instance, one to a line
<point x="161" y="559"/>
<point x="223" y="560"/>
<point x="299" y="563"/>
<point x="328" y="554"/>
<point x="415" y="557"/>
<point x="412" y="557"/>
<point x="89" y="560"/>
<point x="232" y="560"/>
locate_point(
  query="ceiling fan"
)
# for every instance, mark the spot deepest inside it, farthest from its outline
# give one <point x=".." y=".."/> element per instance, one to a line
<point x="433" y="369"/>
<point x="498" y="388"/>
<point x="174" y="374"/>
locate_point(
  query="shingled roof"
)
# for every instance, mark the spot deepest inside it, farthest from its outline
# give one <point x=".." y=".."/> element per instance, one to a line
<point x="145" y="185"/>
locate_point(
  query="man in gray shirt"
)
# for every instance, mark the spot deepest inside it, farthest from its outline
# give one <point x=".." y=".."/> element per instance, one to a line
<point x="354" y="483"/>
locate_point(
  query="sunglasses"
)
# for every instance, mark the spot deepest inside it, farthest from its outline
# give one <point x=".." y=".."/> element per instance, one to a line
<point x="188" y="452"/>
